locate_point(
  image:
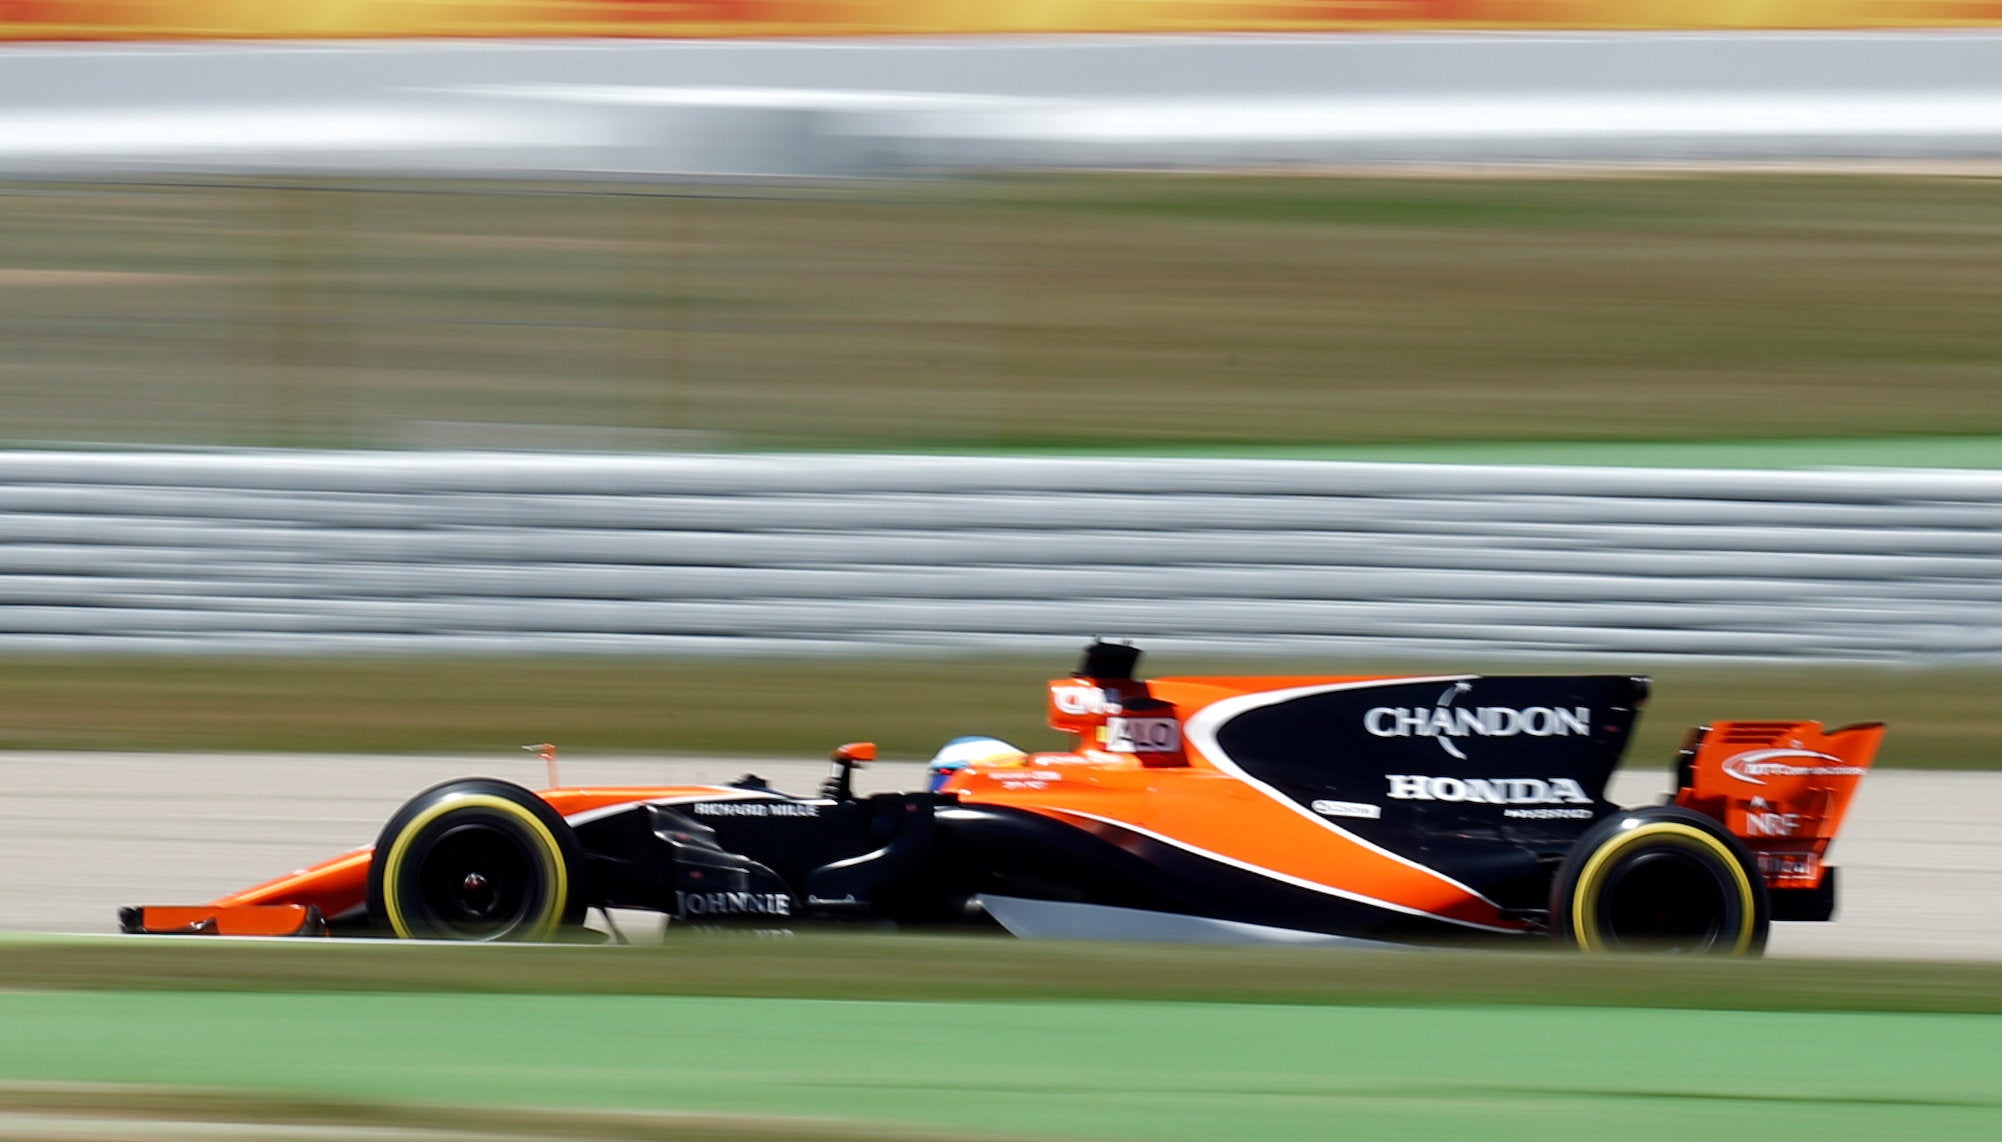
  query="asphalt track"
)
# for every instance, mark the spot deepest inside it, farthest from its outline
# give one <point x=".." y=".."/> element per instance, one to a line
<point x="83" y="833"/>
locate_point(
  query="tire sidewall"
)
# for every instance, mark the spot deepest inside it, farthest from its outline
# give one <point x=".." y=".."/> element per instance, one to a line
<point x="1620" y="841"/>
<point x="506" y="808"/>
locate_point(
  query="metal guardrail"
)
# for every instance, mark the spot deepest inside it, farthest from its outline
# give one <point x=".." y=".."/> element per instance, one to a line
<point x="903" y="105"/>
<point x="821" y="554"/>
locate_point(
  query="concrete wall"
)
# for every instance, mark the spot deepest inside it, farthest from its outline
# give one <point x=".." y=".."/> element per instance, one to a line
<point x="800" y="555"/>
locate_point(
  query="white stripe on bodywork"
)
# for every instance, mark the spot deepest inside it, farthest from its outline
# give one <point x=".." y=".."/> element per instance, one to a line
<point x="1282" y="877"/>
<point x="1201" y="730"/>
<point x="1063" y="920"/>
<point x="1758" y="755"/>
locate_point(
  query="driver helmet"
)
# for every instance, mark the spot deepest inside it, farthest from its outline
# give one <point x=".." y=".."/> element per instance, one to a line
<point x="961" y="752"/>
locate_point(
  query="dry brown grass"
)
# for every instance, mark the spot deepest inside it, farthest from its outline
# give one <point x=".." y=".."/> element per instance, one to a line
<point x="1096" y="310"/>
<point x="1940" y="718"/>
<point x="994" y="968"/>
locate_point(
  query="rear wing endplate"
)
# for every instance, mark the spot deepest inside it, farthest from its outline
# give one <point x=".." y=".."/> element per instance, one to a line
<point x="1782" y="788"/>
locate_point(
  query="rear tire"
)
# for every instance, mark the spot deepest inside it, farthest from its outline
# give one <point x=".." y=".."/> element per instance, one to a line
<point x="476" y="859"/>
<point x="1660" y="879"/>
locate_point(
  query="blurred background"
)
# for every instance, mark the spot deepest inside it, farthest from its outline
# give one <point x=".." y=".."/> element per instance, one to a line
<point x="681" y="380"/>
<point x="882" y="353"/>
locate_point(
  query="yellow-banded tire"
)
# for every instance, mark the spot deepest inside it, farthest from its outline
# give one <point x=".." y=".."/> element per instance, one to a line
<point x="475" y="859"/>
<point x="1660" y="879"/>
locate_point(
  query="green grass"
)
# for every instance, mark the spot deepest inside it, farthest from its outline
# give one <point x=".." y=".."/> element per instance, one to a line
<point x="198" y="1111"/>
<point x="1079" y="1069"/>
<point x="1097" y="311"/>
<point x="826" y="1037"/>
<point x="1940" y="718"/>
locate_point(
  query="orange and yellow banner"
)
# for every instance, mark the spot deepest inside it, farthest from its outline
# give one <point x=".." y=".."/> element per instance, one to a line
<point x="317" y="19"/>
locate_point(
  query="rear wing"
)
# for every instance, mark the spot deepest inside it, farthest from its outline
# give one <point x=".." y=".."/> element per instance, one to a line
<point x="1783" y="789"/>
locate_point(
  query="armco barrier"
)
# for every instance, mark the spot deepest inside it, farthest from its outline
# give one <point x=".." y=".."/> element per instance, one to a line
<point x="891" y="106"/>
<point x="799" y="555"/>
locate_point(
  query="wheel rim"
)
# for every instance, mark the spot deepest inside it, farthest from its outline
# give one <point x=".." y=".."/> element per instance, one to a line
<point x="1666" y="900"/>
<point x="477" y="882"/>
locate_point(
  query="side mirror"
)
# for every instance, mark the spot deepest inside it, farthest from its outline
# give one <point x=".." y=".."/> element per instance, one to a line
<point x="840" y="784"/>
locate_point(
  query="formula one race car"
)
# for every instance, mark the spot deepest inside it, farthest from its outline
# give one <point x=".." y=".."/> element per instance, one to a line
<point x="1399" y="810"/>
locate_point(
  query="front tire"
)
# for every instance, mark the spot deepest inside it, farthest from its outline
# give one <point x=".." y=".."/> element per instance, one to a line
<point x="476" y="859"/>
<point x="1660" y="879"/>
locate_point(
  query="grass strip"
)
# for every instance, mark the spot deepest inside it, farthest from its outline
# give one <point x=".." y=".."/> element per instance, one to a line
<point x="1173" y="1072"/>
<point x="925" y="968"/>
<point x="1826" y="452"/>
<point x="1086" y="310"/>
<point x="1940" y="718"/>
<point x="126" y="1103"/>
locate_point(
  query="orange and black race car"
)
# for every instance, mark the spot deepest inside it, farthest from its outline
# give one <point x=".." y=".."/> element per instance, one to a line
<point x="1400" y="810"/>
